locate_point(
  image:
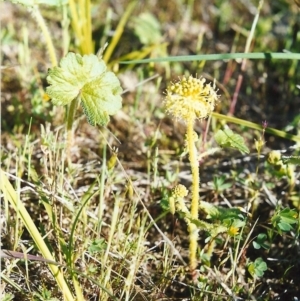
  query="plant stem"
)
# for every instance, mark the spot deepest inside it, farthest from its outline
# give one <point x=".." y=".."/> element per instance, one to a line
<point x="70" y="120"/>
<point x="195" y="193"/>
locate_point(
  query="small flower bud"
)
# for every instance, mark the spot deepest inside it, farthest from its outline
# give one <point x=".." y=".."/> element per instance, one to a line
<point x="112" y="160"/>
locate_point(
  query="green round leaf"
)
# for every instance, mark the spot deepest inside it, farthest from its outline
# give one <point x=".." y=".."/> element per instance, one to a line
<point x="228" y="138"/>
<point x="86" y="78"/>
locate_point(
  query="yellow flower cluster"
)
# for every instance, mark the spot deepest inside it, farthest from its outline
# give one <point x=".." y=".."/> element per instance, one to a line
<point x="180" y="191"/>
<point x="191" y="98"/>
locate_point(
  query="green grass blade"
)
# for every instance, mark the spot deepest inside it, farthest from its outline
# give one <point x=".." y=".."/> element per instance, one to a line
<point x="119" y="31"/>
<point x="11" y="195"/>
<point x="221" y="56"/>
<point x="255" y="126"/>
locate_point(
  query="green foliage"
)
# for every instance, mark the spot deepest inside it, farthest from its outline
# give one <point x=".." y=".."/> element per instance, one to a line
<point x="219" y="183"/>
<point x="257" y="268"/>
<point x="226" y="138"/>
<point x="8" y="297"/>
<point x="233" y="221"/>
<point x="284" y="220"/>
<point x="97" y="246"/>
<point x="45" y="295"/>
<point x="223" y="219"/>
<point x="283" y="166"/>
<point x="40" y="108"/>
<point x="291" y="160"/>
<point x="164" y="202"/>
<point x="147" y="28"/>
<point x="86" y="78"/>
<point x="261" y="242"/>
<point x="212" y="229"/>
<point x="221" y="214"/>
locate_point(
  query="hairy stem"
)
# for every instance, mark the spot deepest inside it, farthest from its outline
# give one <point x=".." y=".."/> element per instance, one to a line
<point x="195" y="193"/>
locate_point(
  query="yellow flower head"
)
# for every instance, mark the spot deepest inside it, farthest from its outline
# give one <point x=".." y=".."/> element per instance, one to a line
<point x="233" y="231"/>
<point x="190" y="98"/>
<point x="179" y="191"/>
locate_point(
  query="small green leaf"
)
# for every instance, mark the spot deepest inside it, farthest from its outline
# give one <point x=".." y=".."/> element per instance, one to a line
<point x="219" y="183"/>
<point x="98" y="90"/>
<point x="289" y="213"/>
<point x="237" y="223"/>
<point x="8" y="297"/>
<point x="257" y="268"/>
<point x="213" y="229"/>
<point x="284" y="219"/>
<point x="291" y="160"/>
<point x="256" y="245"/>
<point x="227" y="138"/>
<point x="147" y="28"/>
<point x="285" y="226"/>
<point x="97" y="246"/>
<point x="221" y="214"/>
<point x="261" y="242"/>
<point x="211" y="210"/>
<point x="289" y="220"/>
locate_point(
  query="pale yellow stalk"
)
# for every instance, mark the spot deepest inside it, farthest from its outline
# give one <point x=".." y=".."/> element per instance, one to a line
<point x="189" y="99"/>
<point x="195" y="193"/>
